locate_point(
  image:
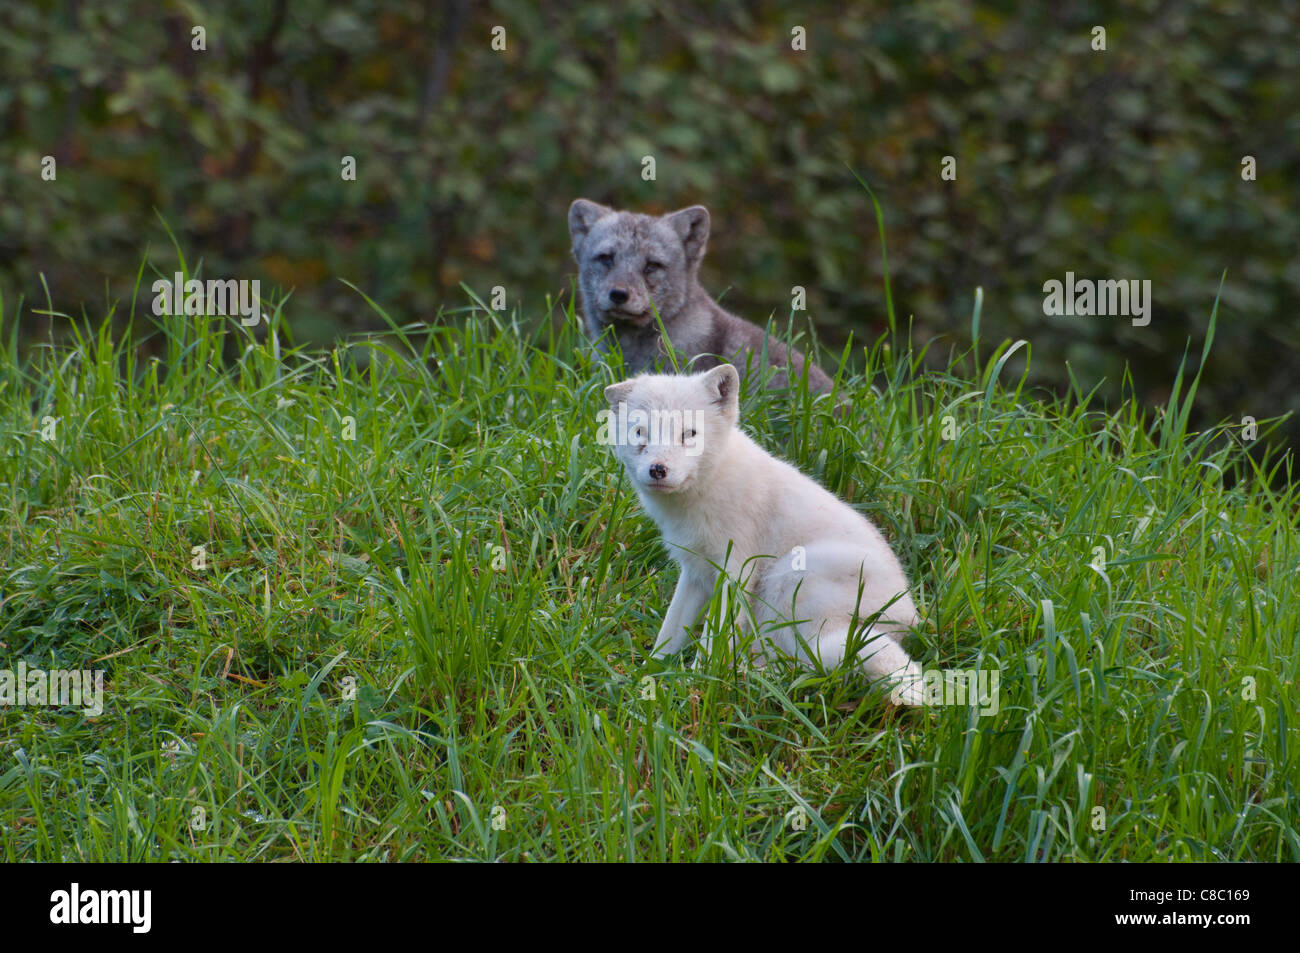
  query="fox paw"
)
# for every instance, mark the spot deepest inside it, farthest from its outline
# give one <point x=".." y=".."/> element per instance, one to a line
<point x="908" y="688"/>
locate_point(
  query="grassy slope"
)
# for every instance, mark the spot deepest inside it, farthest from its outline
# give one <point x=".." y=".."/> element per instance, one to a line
<point x="228" y="733"/>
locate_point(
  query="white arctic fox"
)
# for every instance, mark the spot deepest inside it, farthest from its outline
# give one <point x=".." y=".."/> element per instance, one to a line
<point x="805" y="560"/>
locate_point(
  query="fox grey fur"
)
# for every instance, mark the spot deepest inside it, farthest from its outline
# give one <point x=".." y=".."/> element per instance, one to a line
<point x="626" y="261"/>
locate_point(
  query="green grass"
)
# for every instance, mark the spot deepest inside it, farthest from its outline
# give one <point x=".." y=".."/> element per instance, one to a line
<point x="476" y="566"/>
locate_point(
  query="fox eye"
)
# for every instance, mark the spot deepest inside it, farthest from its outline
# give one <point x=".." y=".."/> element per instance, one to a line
<point x="651" y="267"/>
<point x="689" y="435"/>
<point x="606" y="259"/>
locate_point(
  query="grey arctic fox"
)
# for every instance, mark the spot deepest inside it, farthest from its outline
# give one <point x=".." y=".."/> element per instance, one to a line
<point x="627" y="261"/>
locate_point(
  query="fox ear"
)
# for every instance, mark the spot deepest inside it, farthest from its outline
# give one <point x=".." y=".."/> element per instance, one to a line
<point x="583" y="214"/>
<point x="617" y="392"/>
<point x="692" y="226"/>
<point x="722" y="385"/>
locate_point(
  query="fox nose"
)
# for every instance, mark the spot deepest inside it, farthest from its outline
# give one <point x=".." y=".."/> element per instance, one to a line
<point x="658" y="471"/>
<point x="617" y="296"/>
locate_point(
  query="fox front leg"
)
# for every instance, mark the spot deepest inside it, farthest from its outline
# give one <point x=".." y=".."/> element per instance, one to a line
<point x="688" y="599"/>
<point x="712" y="629"/>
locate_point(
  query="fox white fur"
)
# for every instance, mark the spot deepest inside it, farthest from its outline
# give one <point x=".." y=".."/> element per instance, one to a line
<point x="800" y="554"/>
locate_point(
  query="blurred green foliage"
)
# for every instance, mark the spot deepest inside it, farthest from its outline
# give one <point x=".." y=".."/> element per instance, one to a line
<point x="1117" y="164"/>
